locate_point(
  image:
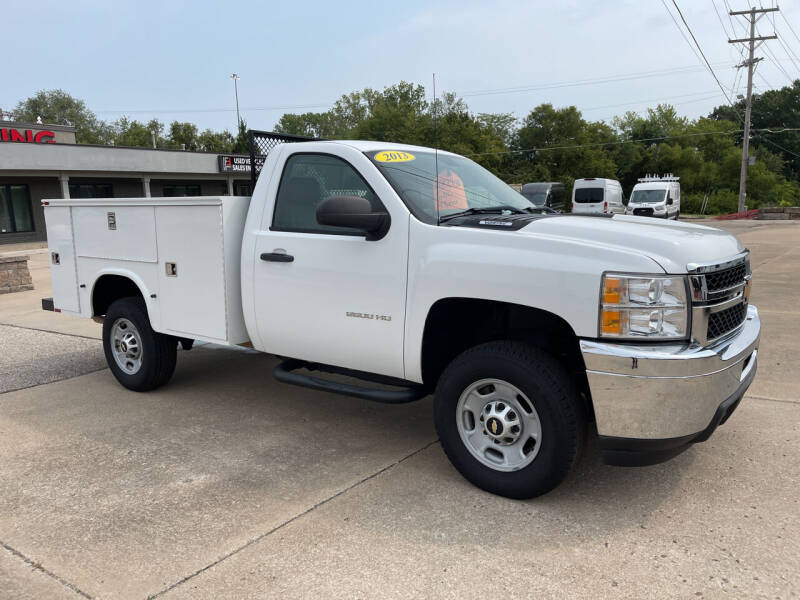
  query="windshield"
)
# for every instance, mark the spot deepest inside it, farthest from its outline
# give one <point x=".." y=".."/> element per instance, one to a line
<point x="647" y="196"/>
<point x="586" y="195"/>
<point x="538" y="198"/>
<point x="462" y="184"/>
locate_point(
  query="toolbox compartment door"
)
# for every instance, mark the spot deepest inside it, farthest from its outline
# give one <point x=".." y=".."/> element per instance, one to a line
<point x="63" y="268"/>
<point x="116" y="232"/>
<point x="192" y="297"/>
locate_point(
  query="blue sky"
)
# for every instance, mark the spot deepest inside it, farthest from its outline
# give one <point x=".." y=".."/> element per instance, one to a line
<point x="172" y="59"/>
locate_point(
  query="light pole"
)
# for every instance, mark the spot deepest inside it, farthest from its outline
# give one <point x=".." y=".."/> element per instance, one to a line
<point x="235" y="78"/>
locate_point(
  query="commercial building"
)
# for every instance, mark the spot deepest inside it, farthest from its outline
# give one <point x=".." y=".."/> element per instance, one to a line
<point x="39" y="161"/>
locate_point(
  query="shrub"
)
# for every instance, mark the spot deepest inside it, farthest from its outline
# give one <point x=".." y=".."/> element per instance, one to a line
<point x="720" y="202"/>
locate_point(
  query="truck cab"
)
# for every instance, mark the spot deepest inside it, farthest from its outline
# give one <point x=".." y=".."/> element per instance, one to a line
<point x="416" y="271"/>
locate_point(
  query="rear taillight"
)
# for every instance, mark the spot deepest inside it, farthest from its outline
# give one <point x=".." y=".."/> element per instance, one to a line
<point x="605" y="206"/>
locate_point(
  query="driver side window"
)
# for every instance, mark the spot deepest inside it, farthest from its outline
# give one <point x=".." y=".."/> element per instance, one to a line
<point x="307" y="180"/>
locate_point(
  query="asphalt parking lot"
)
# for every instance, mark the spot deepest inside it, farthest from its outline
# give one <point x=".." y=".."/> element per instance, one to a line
<point x="226" y="484"/>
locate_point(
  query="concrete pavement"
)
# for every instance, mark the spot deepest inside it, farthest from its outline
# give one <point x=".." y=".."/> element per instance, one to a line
<point x="32" y="357"/>
<point x="228" y="484"/>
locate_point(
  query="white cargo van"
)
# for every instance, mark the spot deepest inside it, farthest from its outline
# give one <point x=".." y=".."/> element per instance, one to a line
<point x="597" y="195"/>
<point x="656" y="196"/>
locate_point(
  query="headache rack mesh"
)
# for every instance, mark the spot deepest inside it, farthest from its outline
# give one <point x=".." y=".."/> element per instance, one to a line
<point x="261" y="142"/>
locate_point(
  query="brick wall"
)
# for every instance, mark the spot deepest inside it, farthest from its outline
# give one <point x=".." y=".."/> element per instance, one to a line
<point x="14" y="274"/>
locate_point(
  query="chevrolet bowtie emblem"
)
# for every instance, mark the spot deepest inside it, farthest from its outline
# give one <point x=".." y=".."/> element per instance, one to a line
<point x="494" y="426"/>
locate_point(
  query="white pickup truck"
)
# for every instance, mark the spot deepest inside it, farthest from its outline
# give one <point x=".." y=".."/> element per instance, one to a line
<point x="413" y="272"/>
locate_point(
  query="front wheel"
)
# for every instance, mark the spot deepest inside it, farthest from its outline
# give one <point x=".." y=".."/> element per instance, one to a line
<point x="509" y="419"/>
<point x="141" y="359"/>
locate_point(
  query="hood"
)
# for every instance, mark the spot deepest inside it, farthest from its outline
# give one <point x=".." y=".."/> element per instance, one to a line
<point x="671" y="244"/>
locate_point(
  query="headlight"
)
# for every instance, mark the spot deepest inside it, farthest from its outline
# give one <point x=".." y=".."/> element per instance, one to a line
<point x="632" y="306"/>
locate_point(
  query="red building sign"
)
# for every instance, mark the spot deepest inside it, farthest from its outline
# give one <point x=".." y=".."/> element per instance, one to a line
<point x="28" y="135"/>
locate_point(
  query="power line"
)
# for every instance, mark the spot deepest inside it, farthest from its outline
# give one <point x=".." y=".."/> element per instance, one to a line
<point x="680" y="30"/>
<point x="789" y="53"/>
<point x="705" y="95"/>
<point x="789" y="25"/>
<point x="769" y="85"/>
<point x="777" y="145"/>
<point x="573" y="83"/>
<point x="210" y="110"/>
<point x="719" y="18"/>
<point x="708" y="64"/>
<point x="580" y="82"/>
<point x="598" y="144"/>
<point x="725" y="30"/>
<point x="730" y="18"/>
<point x="774" y="59"/>
<point x="636" y="141"/>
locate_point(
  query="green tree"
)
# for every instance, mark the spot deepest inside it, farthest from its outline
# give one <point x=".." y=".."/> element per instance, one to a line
<point x="134" y="134"/>
<point x="311" y="124"/>
<point x="57" y="107"/>
<point x="775" y="110"/>
<point x="241" y="144"/>
<point x="213" y="141"/>
<point x="183" y="135"/>
<point x="560" y="143"/>
<point x="401" y="113"/>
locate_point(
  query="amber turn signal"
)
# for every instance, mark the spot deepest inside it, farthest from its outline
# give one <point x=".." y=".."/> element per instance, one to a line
<point x="612" y="322"/>
<point x="611" y="292"/>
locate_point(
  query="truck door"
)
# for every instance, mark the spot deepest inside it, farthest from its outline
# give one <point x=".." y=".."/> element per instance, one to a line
<point x="330" y="296"/>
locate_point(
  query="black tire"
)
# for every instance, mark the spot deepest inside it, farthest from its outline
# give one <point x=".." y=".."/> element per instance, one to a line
<point x="677" y="215"/>
<point x="546" y="384"/>
<point x="158" y="351"/>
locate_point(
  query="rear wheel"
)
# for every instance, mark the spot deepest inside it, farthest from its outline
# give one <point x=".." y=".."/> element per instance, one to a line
<point x="509" y="418"/>
<point x="140" y="358"/>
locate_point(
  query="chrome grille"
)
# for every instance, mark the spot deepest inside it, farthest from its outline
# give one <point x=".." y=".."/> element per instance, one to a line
<point x="719" y="296"/>
<point x="725" y="321"/>
<point x="725" y="279"/>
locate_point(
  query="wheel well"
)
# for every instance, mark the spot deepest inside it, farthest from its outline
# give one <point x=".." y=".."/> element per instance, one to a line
<point x="109" y="288"/>
<point x="454" y="325"/>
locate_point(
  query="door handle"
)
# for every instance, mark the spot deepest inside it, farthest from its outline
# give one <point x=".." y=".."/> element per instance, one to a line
<point x="277" y="257"/>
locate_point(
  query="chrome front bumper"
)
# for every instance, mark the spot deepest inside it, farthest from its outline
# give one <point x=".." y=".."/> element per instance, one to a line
<point x="662" y="392"/>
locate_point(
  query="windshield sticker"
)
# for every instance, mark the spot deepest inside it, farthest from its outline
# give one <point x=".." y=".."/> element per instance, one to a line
<point x="393" y="156"/>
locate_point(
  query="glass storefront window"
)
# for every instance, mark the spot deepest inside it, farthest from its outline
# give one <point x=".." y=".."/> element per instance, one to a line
<point x="241" y="189"/>
<point x="15" y="209"/>
<point x="171" y="191"/>
<point x="90" y="190"/>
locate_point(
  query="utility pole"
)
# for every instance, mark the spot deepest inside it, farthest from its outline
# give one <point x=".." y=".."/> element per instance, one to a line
<point x="235" y="78"/>
<point x="754" y="14"/>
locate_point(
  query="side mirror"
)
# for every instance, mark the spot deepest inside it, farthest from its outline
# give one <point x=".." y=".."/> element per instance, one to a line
<point x="353" y="212"/>
<point x="669" y="200"/>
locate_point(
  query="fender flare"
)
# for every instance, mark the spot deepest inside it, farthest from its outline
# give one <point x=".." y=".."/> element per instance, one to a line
<point x="147" y="294"/>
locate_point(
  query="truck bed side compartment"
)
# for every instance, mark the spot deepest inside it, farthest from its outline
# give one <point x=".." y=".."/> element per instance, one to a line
<point x="63" y="267"/>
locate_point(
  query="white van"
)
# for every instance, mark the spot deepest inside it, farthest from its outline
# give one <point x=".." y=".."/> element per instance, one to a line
<point x="597" y="195"/>
<point x="656" y="196"/>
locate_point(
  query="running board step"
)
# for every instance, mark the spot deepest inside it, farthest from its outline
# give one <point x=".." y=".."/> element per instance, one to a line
<point x="284" y="373"/>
